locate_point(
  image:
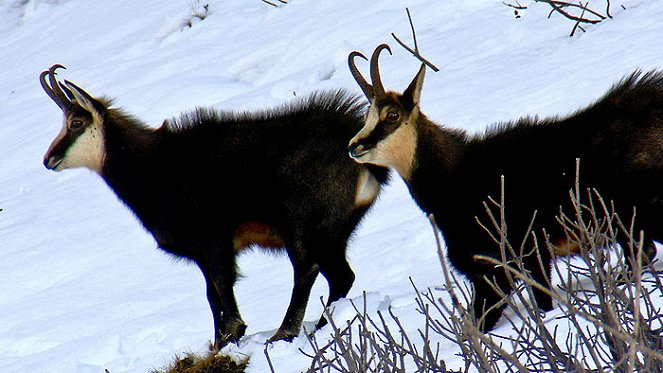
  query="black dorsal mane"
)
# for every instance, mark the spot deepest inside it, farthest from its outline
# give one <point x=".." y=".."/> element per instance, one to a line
<point x="325" y="102"/>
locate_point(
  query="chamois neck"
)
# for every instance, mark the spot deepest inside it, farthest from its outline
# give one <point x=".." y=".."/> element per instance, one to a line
<point x="438" y="149"/>
<point x="127" y="137"/>
<point x="130" y="147"/>
<point x="438" y="154"/>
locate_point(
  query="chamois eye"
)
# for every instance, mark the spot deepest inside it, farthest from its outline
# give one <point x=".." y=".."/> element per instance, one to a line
<point x="393" y="116"/>
<point x="76" y="124"/>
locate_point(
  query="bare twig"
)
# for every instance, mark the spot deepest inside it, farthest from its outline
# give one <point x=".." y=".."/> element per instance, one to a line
<point x="567" y="10"/>
<point x="269" y="360"/>
<point x="516" y="6"/>
<point x="577" y="25"/>
<point x="558" y="6"/>
<point x="270" y="3"/>
<point x="415" y="51"/>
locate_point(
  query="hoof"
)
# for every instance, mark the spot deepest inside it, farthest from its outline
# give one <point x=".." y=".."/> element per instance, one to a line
<point x="232" y="335"/>
<point x="282" y="336"/>
<point x="323" y="321"/>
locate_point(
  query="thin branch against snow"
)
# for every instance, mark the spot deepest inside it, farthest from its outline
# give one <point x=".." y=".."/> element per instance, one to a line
<point x="515" y="6"/>
<point x="559" y="7"/>
<point x="274" y="4"/>
<point x="415" y="51"/>
<point x="568" y="9"/>
<point x="610" y="325"/>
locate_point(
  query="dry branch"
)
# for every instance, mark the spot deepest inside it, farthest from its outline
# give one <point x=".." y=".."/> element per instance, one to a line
<point x="613" y="325"/>
<point x="586" y="16"/>
<point x="415" y="51"/>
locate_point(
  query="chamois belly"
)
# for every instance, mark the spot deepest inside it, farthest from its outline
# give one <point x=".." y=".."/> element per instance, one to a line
<point x="565" y="247"/>
<point x="256" y="233"/>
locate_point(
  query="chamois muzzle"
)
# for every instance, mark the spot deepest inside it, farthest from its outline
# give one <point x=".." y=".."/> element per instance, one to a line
<point x="51" y="162"/>
<point x="356" y="149"/>
<point x="56" y="151"/>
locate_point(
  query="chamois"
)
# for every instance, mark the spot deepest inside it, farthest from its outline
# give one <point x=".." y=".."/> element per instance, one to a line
<point x="618" y="139"/>
<point x="208" y="184"/>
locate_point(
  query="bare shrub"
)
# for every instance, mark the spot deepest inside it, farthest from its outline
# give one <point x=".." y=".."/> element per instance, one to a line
<point x="579" y="13"/>
<point x="211" y="363"/>
<point x="198" y="12"/>
<point x="609" y="315"/>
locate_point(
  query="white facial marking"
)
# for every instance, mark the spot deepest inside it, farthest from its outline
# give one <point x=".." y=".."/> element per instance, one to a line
<point x="86" y="151"/>
<point x="397" y="150"/>
<point x="372" y="119"/>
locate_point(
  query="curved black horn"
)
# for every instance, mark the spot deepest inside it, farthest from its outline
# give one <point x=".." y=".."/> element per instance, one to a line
<point x="378" y="89"/>
<point x="53" y="90"/>
<point x="367" y="88"/>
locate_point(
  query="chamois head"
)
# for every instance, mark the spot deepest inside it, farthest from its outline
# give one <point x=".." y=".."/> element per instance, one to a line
<point x="80" y="142"/>
<point x="388" y="137"/>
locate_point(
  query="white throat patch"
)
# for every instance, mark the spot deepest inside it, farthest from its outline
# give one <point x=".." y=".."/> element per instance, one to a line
<point x="368" y="188"/>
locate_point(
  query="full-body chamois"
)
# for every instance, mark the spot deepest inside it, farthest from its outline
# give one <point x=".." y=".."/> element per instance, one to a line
<point x="618" y="139"/>
<point x="211" y="183"/>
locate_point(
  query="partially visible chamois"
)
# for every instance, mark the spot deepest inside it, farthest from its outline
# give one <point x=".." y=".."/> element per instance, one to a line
<point x="209" y="184"/>
<point x="618" y="139"/>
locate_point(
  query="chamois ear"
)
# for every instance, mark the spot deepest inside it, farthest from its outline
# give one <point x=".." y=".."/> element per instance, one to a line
<point x="84" y="99"/>
<point x="413" y="91"/>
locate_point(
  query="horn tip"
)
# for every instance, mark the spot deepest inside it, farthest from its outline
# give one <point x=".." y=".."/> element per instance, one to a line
<point x="384" y="46"/>
<point x="354" y="54"/>
<point x="55" y="67"/>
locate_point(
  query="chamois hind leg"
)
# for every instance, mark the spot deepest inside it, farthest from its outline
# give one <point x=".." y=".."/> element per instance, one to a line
<point x="486" y="300"/>
<point x="220" y="275"/>
<point x="340" y="277"/>
<point x="305" y="273"/>
<point x="214" y="301"/>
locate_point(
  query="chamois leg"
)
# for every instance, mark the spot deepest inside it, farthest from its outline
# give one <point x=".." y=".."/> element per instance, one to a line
<point x="215" y="305"/>
<point x="647" y="221"/>
<point x="339" y="275"/>
<point x="541" y="274"/>
<point x="305" y="273"/>
<point x="486" y="299"/>
<point x="652" y="232"/>
<point x="648" y="252"/>
<point x="220" y="276"/>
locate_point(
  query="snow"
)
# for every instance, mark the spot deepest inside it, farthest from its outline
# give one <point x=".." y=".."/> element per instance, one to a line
<point x="84" y="287"/>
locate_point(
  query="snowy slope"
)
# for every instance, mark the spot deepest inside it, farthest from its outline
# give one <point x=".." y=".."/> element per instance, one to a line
<point x="84" y="287"/>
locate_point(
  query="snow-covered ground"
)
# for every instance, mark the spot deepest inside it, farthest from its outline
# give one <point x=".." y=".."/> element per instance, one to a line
<point x="83" y="286"/>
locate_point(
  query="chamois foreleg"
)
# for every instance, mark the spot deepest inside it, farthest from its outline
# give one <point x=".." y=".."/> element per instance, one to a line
<point x="645" y="218"/>
<point x="648" y="251"/>
<point x="486" y="300"/>
<point x="335" y="268"/>
<point x="305" y="273"/>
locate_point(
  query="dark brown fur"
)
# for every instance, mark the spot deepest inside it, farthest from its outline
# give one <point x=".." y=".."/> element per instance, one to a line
<point x="617" y="139"/>
<point x="211" y="183"/>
